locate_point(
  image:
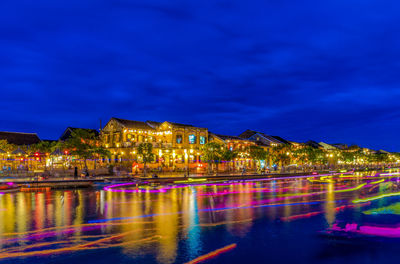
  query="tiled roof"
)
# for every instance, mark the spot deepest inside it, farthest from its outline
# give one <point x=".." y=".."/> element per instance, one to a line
<point x="327" y="146"/>
<point x="132" y="124"/>
<point x="153" y="124"/>
<point x="274" y="139"/>
<point x="180" y="125"/>
<point x="225" y="137"/>
<point x="156" y="124"/>
<point x="18" y="138"/>
<point x="313" y="144"/>
<point x="247" y="134"/>
<point x="284" y="141"/>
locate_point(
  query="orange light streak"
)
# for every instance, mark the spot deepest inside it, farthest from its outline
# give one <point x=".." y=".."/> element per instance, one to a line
<point x="212" y="254"/>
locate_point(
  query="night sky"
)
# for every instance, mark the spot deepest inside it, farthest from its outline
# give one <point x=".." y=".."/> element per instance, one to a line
<point x="322" y="70"/>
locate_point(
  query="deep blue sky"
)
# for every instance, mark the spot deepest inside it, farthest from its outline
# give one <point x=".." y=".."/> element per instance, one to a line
<point x="322" y="70"/>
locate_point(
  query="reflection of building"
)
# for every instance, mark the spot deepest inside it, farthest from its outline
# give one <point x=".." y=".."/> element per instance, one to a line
<point x="174" y="145"/>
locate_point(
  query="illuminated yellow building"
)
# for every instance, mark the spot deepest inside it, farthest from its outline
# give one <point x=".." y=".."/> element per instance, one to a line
<point x="175" y="146"/>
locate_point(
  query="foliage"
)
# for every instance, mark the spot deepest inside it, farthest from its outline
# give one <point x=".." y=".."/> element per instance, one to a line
<point x="279" y="154"/>
<point x="348" y="157"/>
<point x="228" y="155"/>
<point x="318" y="156"/>
<point x="45" y="146"/>
<point x="4" y="145"/>
<point x="145" y="150"/>
<point x="212" y="152"/>
<point x="257" y="153"/>
<point x="85" y="145"/>
<point x="382" y="157"/>
<point x="303" y="154"/>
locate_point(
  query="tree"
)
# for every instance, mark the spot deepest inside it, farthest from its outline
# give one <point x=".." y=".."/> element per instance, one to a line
<point x="303" y="154"/>
<point x="146" y="151"/>
<point x="257" y="154"/>
<point x="7" y="147"/>
<point x="279" y="154"/>
<point x="228" y="155"/>
<point x="212" y="153"/>
<point x="45" y="146"/>
<point x="382" y="158"/>
<point x="318" y="156"/>
<point x="348" y="157"/>
<point x="85" y="145"/>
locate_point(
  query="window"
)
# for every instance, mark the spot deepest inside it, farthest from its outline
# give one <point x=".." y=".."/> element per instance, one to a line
<point x="192" y="139"/>
<point x="202" y="140"/>
<point x="178" y="139"/>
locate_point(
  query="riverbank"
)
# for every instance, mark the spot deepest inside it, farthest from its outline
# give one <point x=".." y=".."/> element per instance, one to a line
<point x="73" y="183"/>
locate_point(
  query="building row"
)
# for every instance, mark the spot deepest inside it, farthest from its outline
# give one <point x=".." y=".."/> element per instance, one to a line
<point x="176" y="146"/>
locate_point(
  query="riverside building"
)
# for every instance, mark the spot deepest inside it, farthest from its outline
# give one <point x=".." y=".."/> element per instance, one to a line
<point x="175" y="146"/>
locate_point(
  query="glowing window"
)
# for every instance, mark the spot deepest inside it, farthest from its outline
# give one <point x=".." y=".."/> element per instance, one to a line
<point x="192" y="139"/>
<point x="202" y="140"/>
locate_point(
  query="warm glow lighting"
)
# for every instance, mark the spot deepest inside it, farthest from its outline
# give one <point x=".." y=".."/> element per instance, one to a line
<point x="212" y="254"/>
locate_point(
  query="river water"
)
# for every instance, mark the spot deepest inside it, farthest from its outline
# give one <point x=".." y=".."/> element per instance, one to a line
<point x="271" y="220"/>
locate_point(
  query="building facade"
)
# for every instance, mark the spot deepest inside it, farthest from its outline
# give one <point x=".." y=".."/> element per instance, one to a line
<point x="175" y="146"/>
<point x="238" y="144"/>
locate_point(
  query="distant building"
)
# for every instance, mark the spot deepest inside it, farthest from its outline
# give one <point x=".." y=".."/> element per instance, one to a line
<point x="263" y="138"/>
<point x="67" y="133"/>
<point x="20" y="139"/>
<point x="236" y="143"/>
